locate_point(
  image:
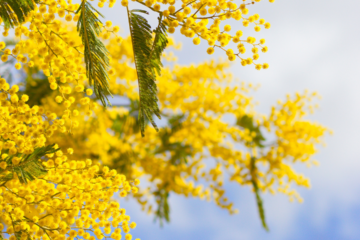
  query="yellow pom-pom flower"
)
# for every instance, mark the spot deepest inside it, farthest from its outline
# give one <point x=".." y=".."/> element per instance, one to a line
<point x="227" y="28"/>
<point x="196" y="41"/>
<point x="89" y="91"/>
<point x="68" y="17"/>
<point x="18" y="66"/>
<point x="108" y="24"/>
<point x="210" y="50"/>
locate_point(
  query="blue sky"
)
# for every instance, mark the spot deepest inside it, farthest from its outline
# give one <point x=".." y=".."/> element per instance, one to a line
<point x="313" y="45"/>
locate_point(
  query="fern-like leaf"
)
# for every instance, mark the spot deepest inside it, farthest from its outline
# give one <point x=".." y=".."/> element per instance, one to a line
<point x="141" y="37"/>
<point x="29" y="168"/>
<point x="159" y="45"/>
<point x="163" y="210"/>
<point x="13" y="12"/>
<point x="258" y="197"/>
<point x="95" y="52"/>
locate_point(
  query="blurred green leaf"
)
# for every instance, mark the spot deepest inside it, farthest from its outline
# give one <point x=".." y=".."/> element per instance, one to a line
<point x="13" y="12"/>
<point x="247" y="122"/>
<point x="163" y="210"/>
<point x="29" y="168"/>
<point x="257" y="194"/>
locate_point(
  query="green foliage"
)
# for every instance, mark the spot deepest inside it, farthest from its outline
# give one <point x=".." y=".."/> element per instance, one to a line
<point x="260" y="206"/>
<point x="124" y="162"/>
<point x="147" y="59"/>
<point x="179" y="154"/>
<point x="179" y="151"/>
<point x="95" y="52"/>
<point x="247" y="122"/>
<point x="163" y="210"/>
<point x="257" y="194"/>
<point x="13" y="12"/>
<point x="159" y="45"/>
<point x="20" y="234"/>
<point x="119" y="123"/>
<point x="36" y="86"/>
<point x="30" y="166"/>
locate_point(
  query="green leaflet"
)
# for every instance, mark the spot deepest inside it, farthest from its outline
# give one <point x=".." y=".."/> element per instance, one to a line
<point x="163" y="210"/>
<point x="247" y="122"/>
<point x="29" y="168"/>
<point x="180" y="152"/>
<point x="95" y="53"/>
<point x="258" y="197"/>
<point x="121" y="122"/>
<point x="37" y="88"/>
<point x="13" y="12"/>
<point x="159" y="45"/>
<point x="147" y="55"/>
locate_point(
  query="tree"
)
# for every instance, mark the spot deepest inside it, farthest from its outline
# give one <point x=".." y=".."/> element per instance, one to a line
<point x="46" y="194"/>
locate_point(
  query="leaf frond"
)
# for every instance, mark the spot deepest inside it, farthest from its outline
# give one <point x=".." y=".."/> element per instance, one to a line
<point x="163" y="209"/>
<point x="29" y="168"/>
<point x="141" y="36"/>
<point x="13" y="12"/>
<point x="159" y="45"/>
<point x="95" y="52"/>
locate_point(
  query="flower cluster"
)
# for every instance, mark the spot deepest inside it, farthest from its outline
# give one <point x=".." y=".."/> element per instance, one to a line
<point x="202" y="19"/>
<point x="71" y="198"/>
<point x="24" y="128"/>
<point x="47" y="44"/>
<point x="202" y="96"/>
<point x="198" y="19"/>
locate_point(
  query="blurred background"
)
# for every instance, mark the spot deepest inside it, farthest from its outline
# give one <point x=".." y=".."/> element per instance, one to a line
<point x="313" y="45"/>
